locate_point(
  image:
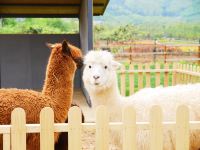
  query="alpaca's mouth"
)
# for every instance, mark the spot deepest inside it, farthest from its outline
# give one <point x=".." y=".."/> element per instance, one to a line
<point x="96" y="83"/>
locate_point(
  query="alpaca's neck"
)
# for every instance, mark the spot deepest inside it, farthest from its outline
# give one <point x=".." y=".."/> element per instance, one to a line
<point x="111" y="98"/>
<point x="59" y="82"/>
<point x="108" y="96"/>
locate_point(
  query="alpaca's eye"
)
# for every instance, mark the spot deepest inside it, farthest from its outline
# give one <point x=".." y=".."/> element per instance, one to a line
<point x="90" y="66"/>
<point x="105" y="67"/>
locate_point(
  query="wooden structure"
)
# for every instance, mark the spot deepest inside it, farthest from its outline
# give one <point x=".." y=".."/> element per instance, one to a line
<point x="23" y="57"/>
<point x="50" y="8"/>
<point x="14" y="135"/>
<point x="157" y="52"/>
<point x="141" y="76"/>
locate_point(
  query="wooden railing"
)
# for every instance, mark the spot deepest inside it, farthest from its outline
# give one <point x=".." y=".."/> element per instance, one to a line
<point x="140" y="76"/>
<point x="129" y="127"/>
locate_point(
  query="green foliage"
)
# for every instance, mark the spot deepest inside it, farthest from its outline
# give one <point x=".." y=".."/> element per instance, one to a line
<point x="181" y="30"/>
<point x="8" y="22"/>
<point x="150" y="19"/>
<point x="38" y="26"/>
<point x="123" y="32"/>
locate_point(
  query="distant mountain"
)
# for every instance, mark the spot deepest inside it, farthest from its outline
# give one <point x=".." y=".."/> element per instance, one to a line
<point x="151" y="11"/>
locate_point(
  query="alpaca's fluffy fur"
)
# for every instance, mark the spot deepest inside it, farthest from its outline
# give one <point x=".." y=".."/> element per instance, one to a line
<point x="57" y="91"/>
<point x="100" y="80"/>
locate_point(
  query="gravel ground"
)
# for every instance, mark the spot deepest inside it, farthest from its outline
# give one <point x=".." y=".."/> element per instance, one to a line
<point x="88" y="141"/>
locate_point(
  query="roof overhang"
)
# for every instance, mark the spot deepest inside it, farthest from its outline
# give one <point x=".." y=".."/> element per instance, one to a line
<point x="47" y="8"/>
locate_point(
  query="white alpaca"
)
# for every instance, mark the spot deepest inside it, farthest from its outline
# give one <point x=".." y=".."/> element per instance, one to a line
<point x="100" y="80"/>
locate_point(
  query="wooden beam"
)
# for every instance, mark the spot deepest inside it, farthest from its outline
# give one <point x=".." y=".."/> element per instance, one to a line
<point x="40" y="2"/>
<point x="43" y="9"/>
<point x="39" y="10"/>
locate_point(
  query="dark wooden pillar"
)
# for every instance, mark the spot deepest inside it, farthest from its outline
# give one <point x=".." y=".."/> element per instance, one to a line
<point x="86" y="32"/>
<point x="86" y="25"/>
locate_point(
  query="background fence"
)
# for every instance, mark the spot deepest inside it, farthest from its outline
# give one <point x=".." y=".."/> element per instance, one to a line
<point x="135" y="77"/>
<point x="153" y="51"/>
<point x="18" y="129"/>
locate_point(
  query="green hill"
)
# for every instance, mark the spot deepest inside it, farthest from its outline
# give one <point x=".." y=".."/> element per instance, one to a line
<point x="149" y="19"/>
<point x="155" y="11"/>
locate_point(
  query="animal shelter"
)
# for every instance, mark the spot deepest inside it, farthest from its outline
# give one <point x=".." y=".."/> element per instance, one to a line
<point x="24" y="56"/>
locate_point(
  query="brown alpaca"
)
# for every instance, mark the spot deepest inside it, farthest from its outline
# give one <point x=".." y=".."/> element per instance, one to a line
<point x="57" y="91"/>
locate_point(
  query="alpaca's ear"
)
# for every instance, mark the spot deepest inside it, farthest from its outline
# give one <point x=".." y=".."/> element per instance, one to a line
<point x="65" y="48"/>
<point x="116" y="65"/>
<point x="50" y="46"/>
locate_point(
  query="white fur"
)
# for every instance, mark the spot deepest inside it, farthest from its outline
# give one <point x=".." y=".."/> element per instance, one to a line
<point x="104" y="91"/>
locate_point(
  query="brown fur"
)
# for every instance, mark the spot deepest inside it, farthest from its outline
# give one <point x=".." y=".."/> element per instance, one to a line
<point x="57" y="93"/>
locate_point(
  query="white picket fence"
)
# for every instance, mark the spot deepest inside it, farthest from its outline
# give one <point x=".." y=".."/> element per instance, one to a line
<point x="18" y="129"/>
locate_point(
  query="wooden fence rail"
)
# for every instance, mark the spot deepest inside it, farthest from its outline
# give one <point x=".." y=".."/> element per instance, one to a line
<point x="140" y="76"/>
<point x="18" y="129"/>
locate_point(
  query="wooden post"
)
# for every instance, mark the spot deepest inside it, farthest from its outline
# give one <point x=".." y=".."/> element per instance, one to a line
<point x="18" y="129"/>
<point x="174" y="74"/>
<point x="148" y="76"/>
<point x="156" y="128"/>
<point x="130" y="57"/>
<point x="180" y="75"/>
<point x="74" y="134"/>
<point x="157" y="75"/>
<point x="47" y="129"/>
<point x="166" y="75"/>
<point x="129" y="128"/>
<point x="102" y="128"/>
<point x="184" y="76"/>
<point x="154" y="50"/>
<point x="165" y="54"/>
<point x="182" y="128"/>
<point x="123" y="80"/>
<point x="140" y="76"/>
<point x="6" y="141"/>
<point x="131" y="80"/>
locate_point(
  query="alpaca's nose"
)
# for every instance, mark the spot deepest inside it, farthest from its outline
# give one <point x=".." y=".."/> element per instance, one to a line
<point x="96" y="77"/>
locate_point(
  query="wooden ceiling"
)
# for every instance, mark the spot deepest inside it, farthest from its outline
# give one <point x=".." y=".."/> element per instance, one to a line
<point x="47" y="8"/>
